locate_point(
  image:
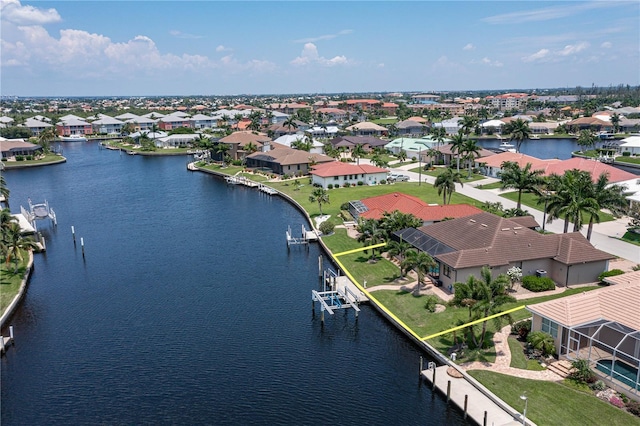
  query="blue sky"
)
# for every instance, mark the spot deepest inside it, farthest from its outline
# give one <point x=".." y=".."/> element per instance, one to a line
<point x="104" y="48"/>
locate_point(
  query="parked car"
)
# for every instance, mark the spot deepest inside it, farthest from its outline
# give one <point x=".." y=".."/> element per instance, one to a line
<point x="397" y="177"/>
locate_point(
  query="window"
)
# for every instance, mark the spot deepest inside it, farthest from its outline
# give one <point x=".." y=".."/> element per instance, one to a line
<point x="550" y="327"/>
<point x="336" y="178"/>
<point x="446" y="270"/>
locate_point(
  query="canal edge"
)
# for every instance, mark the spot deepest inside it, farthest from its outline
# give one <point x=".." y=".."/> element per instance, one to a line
<point x="9" y="311"/>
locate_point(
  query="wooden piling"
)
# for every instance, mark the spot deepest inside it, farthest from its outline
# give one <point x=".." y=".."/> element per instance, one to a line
<point x="73" y="233"/>
<point x="433" y="380"/>
<point x="484" y="422"/>
<point x="11" y="333"/>
<point x="2" y="344"/>
<point x="466" y="400"/>
<point x="448" y="391"/>
<point x="320" y="265"/>
<point x="82" y="245"/>
<point x="420" y="371"/>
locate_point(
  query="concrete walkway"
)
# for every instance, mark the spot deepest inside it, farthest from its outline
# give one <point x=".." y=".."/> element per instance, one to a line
<point x="605" y="235"/>
<point x="503" y="360"/>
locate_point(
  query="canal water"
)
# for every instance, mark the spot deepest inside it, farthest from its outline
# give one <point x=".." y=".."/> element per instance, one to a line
<point x="187" y="308"/>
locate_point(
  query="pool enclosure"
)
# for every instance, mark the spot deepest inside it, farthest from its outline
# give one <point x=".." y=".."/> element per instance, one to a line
<point x="612" y="349"/>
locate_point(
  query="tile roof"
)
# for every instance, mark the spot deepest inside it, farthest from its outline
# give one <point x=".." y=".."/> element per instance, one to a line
<point x="487" y="239"/>
<point x="244" y="137"/>
<point x="412" y="205"/>
<point x="339" y="168"/>
<point x="288" y="156"/>
<point x="617" y="303"/>
<point x="485" y="154"/>
<point x="596" y="168"/>
<point x="350" y="141"/>
<point x="517" y="157"/>
<point x="367" y="125"/>
<point x="628" y="278"/>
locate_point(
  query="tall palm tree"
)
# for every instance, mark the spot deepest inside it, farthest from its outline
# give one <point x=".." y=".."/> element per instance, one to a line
<point x="493" y="294"/>
<point x="320" y="196"/>
<point x="446" y="184"/>
<point x="4" y="190"/>
<point x="222" y="149"/>
<point x="290" y="123"/>
<point x="301" y="144"/>
<point x="238" y="118"/>
<point x="46" y="136"/>
<point x="439" y="135"/>
<point x="457" y="142"/>
<point x="357" y="152"/>
<point x="522" y="179"/>
<point x="14" y="243"/>
<point x="420" y="262"/>
<point x="518" y="131"/>
<point x="615" y="121"/>
<point x="399" y="249"/>
<point x="607" y="196"/>
<point x="586" y="139"/>
<point x="467" y="124"/>
<point x="571" y="197"/>
<point x="370" y="233"/>
<point x="470" y="150"/>
<point x="401" y="155"/>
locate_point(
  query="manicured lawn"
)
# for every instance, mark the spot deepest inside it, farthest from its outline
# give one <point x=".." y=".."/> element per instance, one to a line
<point x="531" y="200"/>
<point x="137" y="148"/>
<point x="631" y="237"/>
<point x="385" y="121"/>
<point x="47" y="158"/>
<point x="519" y="359"/>
<point x="439" y="170"/>
<point x="10" y="282"/>
<point x="494" y="185"/>
<point x="631" y="160"/>
<point x="551" y="403"/>
<point x="228" y="170"/>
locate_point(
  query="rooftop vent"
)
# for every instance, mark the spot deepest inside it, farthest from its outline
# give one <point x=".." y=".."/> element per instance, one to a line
<point x="517" y="227"/>
<point x="505" y="229"/>
<point x="472" y="220"/>
<point x="483" y="224"/>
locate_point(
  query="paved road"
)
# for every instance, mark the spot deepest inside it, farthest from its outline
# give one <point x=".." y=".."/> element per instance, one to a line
<point x="603" y="237"/>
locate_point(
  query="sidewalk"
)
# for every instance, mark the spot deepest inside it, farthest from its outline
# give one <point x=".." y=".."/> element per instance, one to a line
<point x="605" y="235"/>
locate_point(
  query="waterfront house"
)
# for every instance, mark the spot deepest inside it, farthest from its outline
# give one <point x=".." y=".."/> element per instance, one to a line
<point x="451" y="126"/>
<point x="412" y="147"/>
<point x="601" y="326"/>
<point x="174" y="121"/>
<point x="10" y="148"/>
<point x="36" y="126"/>
<point x="338" y="174"/>
<point x="376" y="207"/>
<point x="368" y="143"/>
<point x="107" y="125"/>
<point x="201" y="121"/>
<point x="630" y="144"/>
<point x="71" y="125"/>
<point x="461" y="247"/>
<point x="237" y="141"/>
<point x="450" y="157"/>
<point x="317" y="147"/>
<point x="283" y="160"/>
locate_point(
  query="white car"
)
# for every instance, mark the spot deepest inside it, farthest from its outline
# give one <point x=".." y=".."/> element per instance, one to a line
<point x="396" y="177"/>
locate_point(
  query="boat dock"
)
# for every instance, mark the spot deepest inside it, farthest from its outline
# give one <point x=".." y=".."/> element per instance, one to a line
<point x="238" y="179"/>
<point x="342" y="283"/>
<point x="304" y="238"/>
<point x="473" y="402"/>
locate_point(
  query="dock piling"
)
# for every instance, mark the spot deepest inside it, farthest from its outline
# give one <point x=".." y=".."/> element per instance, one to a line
<point x="2" y="349"/>
<point x="466" y="400"/>
<point x="433" y="380"/>
<point x="420" y="371"/>
<point x="73" y="233"/>
<point x="11" y="333"/>
<point x="320" y="265"/>
<point x="82" y="245"/>
<point x="448" y="391"/>
<point x="484" y="422"/>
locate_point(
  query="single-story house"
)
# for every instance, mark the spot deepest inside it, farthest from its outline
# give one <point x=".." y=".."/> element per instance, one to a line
<point x="630" y="144"/>
<point x="375" y="207"/>
<point x="601" y="326"/>
<point x="411" y="128"/>
<point x="411" y="146"/>
<point x="178" y="140"/>
<point x="461" y="247"/>
<point x="368" y="143"/>
<point x="339" y="174"/>
<point x="238" y="140"/>
<point x="279" y="129"/>
<point x="10" y="148"/>
<point x="287" y="140"/>
<point x="366" y="128"/>
<point x="285" y="161"/>
<point x="450" y="157"/>
<point x="451" y="126"/>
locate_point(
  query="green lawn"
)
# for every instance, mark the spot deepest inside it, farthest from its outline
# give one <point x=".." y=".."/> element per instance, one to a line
<point x="46" y="159"/>
<point x="439" y="170"/>
<point x="630" y="160"/>
<point x="157" y="151"/>
<point x="551" y="403"/>
<point x="10" y="282"/>
<point x="531" y="200"/>
<point x="631" y="237"/>
<point x="519" y="359"/>
<point x="494" y="185"/>
<point x="385" y="121"/>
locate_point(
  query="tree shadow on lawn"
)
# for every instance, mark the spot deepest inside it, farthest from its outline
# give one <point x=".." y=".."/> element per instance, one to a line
<point x="467" y="354"/>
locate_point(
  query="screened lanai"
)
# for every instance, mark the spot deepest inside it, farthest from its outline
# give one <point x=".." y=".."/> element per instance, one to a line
<point x="612" y="349"/>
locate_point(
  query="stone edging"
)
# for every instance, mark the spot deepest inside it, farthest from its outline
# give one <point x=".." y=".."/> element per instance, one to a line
<point x="25" y="166"/>
<point x="23" y="287"/>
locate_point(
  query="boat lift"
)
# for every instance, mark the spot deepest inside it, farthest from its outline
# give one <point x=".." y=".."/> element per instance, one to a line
<point x="39" y="212"/>
<point x="333" y="300"/>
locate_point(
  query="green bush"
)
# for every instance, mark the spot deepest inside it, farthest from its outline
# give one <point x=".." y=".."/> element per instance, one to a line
<point x="330" y="186"/>
<point x="29" y="157"/>
<point x="543" y="342"/>
<point x="626" y="154"/>
<point x="611" y="273"/>
<point x="326" y="227"/>
<point x="360" y="183"/>
<point x="522" y="328"/>
<point x="383" y="182"/>
<point x="19" y="158"/>
<point x="581" y="372"/>
<point x="536" y="284"/>
<point x="430" y="303"/>
<point x="344" y="206"/>
<point x="634" y="407"/>
<point x="4" y="159"/>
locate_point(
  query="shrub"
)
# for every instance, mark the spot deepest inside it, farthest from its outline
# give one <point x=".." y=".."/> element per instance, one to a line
<point x="326" y="227"/>
<point x="598" y="385"/>
<point x="19" y="158"/>
<point x="543" y="342"/>
<point x="536" y="284"/>
<point x="634" y="407"/>
<point x="430" y="303"/>
<point x="383" y="182"/>
<point x="4" y="159"/>
<point x="611" y="273"/>
<point x="581" y="372"/>
<point x="29" y="157"/>
<point x="522" y="329"/>
<point x="626" y="154"/>
<point x="285" y="176"/>
<point x="360" y="183"/>
<point x="346" y="185"/>
<point x="330" y="186"/>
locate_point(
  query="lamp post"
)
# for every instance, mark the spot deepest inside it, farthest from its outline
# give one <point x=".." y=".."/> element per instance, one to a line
<point x="524" y="413"/>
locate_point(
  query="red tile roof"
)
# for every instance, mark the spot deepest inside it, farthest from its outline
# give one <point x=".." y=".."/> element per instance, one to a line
<point x="596" y="168"/>
<point x="338" y="168"/>
<point x="412" y="205"/>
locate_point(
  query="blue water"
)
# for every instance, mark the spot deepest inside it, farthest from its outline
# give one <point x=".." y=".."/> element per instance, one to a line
<point x="541" y="148"/>
<point x="188" y="309"/>
<point x="621" y="372"/>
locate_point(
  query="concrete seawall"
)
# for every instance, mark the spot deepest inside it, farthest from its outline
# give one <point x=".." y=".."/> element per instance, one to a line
<point x="8" y="312"/>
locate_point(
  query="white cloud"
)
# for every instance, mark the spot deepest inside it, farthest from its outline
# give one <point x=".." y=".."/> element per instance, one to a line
<point x="381" y="65"/>
<point x="538" y="56"/>
<point x="549" y="13"/>
<point x="469" y="46"/>
<point x="180" y="34"/>
<point x="489" y="62"/>
<point x="323" y="37"/>
<point x="222" y="48"/>
<point x="310" y="55"/>
<point x="572" y="49"/>
<point x="606" y="45"/>
<point x="13" y="11"/>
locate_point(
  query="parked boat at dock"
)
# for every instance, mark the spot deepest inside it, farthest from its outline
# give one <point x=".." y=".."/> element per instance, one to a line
<point x="73" y="138"/>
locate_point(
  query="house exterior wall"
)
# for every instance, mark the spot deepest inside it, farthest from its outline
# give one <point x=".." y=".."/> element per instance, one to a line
<point x="366" y="178"/>
<point x="585" y="273"/>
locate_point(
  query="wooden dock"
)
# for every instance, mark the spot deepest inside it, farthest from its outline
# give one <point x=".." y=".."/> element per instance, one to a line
<point x="476" y="405"/>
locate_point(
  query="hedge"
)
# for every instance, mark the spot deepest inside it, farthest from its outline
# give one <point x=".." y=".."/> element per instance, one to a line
<point x="536" y="284"/>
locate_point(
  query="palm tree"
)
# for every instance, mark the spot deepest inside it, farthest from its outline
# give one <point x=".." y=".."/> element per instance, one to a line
<point x="45" y="138"/>
<point x="607" y="196"/>
<point x="420" y="262"/>
<point x="522" y="179"/>
<point x="471" y="150"/>
<point x="446" y="184"/>
<point x="222" y="149"/>
<point x="127" y="129"/>
<point x="586" y="139"/>
<point x="320" y="196"/>
<point x="4" y="190"/>
<point x="370" y="233"/>
<point x="571" y="197"/>
<point x="615" y="121"/>
<point x="399" y="249"/>
<point x="331" y="151"/>
<point x="401" y="155"/>
<point x="301" y="144"/>
<point x="439" y="135"/>
<point x="518" y="131"/>
<point x="357" y="152"/>
<point x="238" y="118"/>
<point x="493" y="294"/>
<point x="397" y="221"/>
<point x="467" y="124"/>
<point x="290" y="123"/>
<point x="15" y="243"/>
<point x="457" y="142"/>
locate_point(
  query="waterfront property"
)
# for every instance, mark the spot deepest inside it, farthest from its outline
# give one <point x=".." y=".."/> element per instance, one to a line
<point x="12" y="148"/>
<point x="283" y="160"/>
<point x="461" y="247"/>
<point x="337" y="174"/>
<point x="601" y="326"/>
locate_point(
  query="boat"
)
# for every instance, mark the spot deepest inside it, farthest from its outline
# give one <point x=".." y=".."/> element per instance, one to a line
<point x="73" y="138"/>
<point x="507" y="147"/>
<point x="534" y="137"/>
